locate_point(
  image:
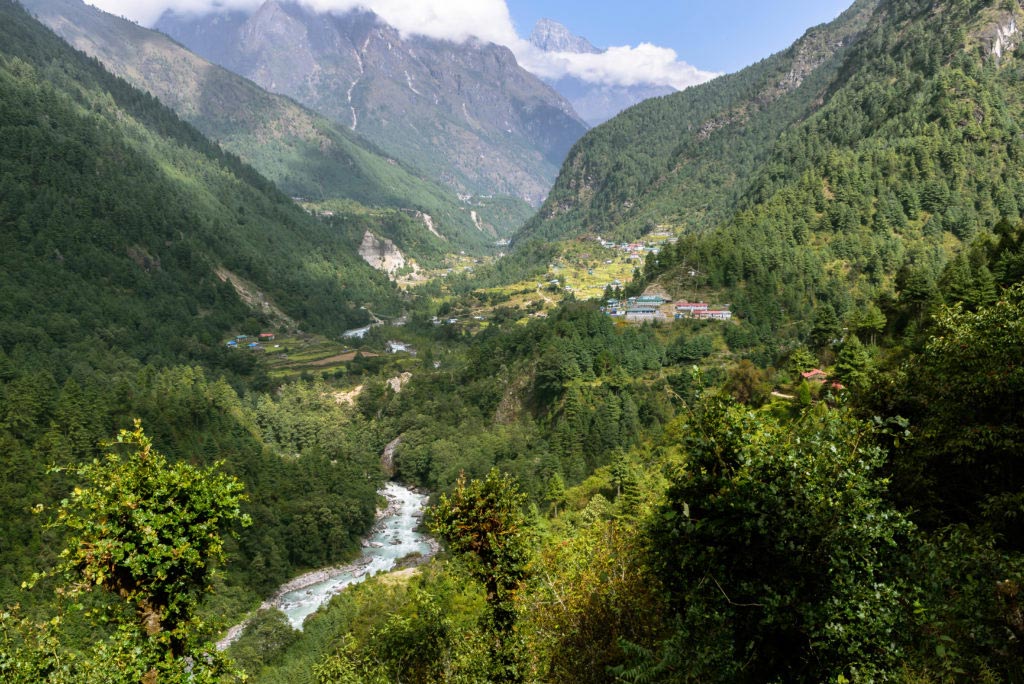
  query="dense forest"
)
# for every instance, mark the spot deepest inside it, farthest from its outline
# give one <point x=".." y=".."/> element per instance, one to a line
<point x="818" y="539"/>
<point x="129" y="242"/>
<point x="825" y="488"/>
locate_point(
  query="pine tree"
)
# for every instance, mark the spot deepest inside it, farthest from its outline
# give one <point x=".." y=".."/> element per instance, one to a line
<point x="853" y="364"/>
<point x="825" y="329"/>
<point x="803" y="394"/>
<point x="554" y="493"/>
<point x="801" y="360"/>
<point x="869" y="321"/>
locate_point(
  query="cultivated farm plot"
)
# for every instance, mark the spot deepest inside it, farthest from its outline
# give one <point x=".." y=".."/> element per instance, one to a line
<point x="585" y="268"/>
<point x="291" y="355"/>
<point x="589" y="279"/>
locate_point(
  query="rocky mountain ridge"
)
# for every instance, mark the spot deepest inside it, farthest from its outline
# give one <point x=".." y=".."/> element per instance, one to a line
<point x="466" y="114"/>
<point x="551" y="36"/>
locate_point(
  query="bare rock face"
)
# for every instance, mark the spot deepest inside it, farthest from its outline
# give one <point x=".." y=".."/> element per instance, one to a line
<point x="551" y="36"/>
<point x="387" y="457"/>
<point x="381" y="253"/>
<point x="292" y="60"/>
<point x="466" y="113"/>
<point x="1003" y="35"/>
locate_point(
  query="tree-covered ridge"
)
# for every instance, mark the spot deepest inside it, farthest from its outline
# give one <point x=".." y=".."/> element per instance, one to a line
<point x="118" y="215"/>
<point x="683" y="159"/>
<point x="303" y="153"/>
<point x="914" y="157"/>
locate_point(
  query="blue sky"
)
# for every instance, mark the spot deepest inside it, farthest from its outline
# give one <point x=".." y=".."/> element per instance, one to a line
<point x="714" y="36"/>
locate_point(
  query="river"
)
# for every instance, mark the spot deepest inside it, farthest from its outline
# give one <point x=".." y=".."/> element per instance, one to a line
<point x="393" y="537"/>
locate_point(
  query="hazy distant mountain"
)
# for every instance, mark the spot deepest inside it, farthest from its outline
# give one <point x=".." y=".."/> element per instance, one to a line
<point x="595" y="102"/>
<point x="466" y="114"/>
<point x="550" y="36"/>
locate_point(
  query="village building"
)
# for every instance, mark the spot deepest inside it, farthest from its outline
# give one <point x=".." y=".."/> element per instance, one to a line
<point x="644" y="314"/>
<point x="713" y="315"/>
<point x="691" y="307"/>
<point x="394" y="347"/>
<point x="815" y="375"/>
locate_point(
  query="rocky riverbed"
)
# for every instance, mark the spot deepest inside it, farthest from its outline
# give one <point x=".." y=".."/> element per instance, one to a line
<point x="394" y="537"/>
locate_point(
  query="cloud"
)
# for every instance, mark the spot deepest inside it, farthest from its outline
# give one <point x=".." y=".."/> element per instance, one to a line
<point x="456" y="20"/>
<point x="461" y="20"/>
<point x="619" y="66"/>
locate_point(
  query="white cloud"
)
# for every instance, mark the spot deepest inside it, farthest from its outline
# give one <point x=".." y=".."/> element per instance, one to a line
<point x="456" y="20"/>
<point x="621" y="66"/>
<point x="460" y="20"/>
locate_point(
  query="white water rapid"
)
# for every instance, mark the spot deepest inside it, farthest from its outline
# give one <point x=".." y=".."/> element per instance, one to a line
<point x="393" y="537"/>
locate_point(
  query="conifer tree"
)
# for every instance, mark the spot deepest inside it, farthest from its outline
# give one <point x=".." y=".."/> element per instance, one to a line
<point x="853" y="363"/>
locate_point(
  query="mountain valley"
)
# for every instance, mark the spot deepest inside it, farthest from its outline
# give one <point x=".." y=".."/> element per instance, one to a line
<point x="725" y="389"/>
<point x="306" y="155"/>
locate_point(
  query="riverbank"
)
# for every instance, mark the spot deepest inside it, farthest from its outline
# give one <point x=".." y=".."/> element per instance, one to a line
<point x="394" y="537"/>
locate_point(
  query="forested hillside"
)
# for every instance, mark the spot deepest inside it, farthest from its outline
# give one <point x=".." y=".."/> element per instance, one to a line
<point x="132" y="249"/>
<point x="682" y="160"/>
<point x="845" y="192"/>
<point x="303" y="153"/>
<point x="109" y="197"/>
<point x="914" y="159"/>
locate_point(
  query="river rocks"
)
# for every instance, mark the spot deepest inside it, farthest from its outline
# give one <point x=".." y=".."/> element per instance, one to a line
<point x="395" y="536"/>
